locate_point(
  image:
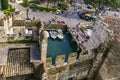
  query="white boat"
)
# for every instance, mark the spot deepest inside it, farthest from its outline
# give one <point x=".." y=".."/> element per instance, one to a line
<point x="60" y="34"/>
<point x="53" y="34"/>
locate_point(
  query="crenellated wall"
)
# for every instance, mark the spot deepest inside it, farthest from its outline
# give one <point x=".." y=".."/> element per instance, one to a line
<point x="77" y="70"/>
<point x="72" y="58"/>
<point x="74" y="68"/>
<point x="59" y="60"/>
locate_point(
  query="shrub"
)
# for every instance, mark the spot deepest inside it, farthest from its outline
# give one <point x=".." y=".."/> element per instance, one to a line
<point x="64" y="5"/>
<point x="9" y="11"/>
<point x="56" y="26"/>
<point x="18" y="22"/>
<point x="44" y="9"/>
<point x="28" y="24"/>
<point x="20" y="41"/>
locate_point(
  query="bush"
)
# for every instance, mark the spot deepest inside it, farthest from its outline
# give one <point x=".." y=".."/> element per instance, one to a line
<point x="64" y="5"/>
<point x="28" y="24"/>
<point x="9" y="11"/>
<point x="44" y="9"/>
<point x="18" y="22"/>
<point x="20" y="41"/>
<point x="56" y="26"/>
<point x="24" y="4"/>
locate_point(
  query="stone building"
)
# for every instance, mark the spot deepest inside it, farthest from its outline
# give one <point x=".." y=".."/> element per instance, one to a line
<point x="18" y="61"/>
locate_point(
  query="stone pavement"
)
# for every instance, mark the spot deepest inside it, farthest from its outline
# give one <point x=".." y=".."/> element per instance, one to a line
<point x="72" y="18"/>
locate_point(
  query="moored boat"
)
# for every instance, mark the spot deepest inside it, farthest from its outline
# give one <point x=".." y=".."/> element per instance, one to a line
<point x="53" y="34"/>
<point x="60" y="34"/>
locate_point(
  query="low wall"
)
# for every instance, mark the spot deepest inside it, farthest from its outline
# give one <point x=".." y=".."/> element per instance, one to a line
<point x="49" y="62"/>
<point x="72" y="58"/>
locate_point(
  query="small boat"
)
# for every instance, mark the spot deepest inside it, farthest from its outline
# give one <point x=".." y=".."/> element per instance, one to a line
<point x="60" y="34"/>
<point x="53" y="34"/>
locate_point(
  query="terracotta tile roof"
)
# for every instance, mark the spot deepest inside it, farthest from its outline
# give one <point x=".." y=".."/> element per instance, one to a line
<point x="114" y="25"/>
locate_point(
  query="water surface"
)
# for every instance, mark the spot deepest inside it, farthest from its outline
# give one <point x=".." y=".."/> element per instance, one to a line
<point x="59" y="47"/>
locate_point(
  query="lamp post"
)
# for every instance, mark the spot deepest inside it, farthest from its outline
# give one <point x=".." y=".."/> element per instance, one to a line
<point x="27" y="14"/>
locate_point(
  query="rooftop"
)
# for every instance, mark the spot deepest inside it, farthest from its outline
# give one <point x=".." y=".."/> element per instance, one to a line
<point x="18" y="63"/>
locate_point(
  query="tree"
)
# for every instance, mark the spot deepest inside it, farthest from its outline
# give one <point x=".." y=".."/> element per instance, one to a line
<point x="48" y="3"/>
<point x="25" y="3"/>
<point x="99" y="5"/>
<point x="4" y="4"/>
<point x="54" y="2"/>
<point x="64" y="5"/>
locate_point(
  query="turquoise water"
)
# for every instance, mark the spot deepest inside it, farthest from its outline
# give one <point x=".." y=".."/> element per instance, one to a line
<point x="59" y="47"/>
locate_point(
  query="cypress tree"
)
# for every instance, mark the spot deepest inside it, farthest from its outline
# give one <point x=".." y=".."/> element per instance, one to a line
<point x="4" y="4"/>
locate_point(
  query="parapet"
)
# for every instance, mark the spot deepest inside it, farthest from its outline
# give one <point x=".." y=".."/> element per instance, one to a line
<point x="60" y="60"/>
<point x="49" y="62"/>
<point x="72" y="57"/>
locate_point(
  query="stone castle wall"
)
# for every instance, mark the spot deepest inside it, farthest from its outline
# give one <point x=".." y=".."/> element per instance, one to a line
<point x="74" y="68"/>
<point x="110" y="70"/>
<point x="72" y="58"/>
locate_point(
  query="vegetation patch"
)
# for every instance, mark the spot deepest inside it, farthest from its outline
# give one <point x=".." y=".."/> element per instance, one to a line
<point x="80" y="64"/>
<point x="84" y="52"/>
<point x="1" y="22"/>
<point x="56" y="26"/>
<point x="44" y="8"/>
<point x="60" y="57"/>
<point x="36" y="23"/>
<point x="53" y="71"/>
<point x="18" y="22"/>
<point x="73" y="55"/>
<point x="20" y="41"/>
<point x="27" y="24"/>
<point x="9" y="11"/>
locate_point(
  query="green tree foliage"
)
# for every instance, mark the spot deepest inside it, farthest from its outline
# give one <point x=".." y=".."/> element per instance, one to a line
<point x="25" y="3"/>
<point x="64" y="5"/>
<point x="101" y="4"/>
<point x="4" y="4"/>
